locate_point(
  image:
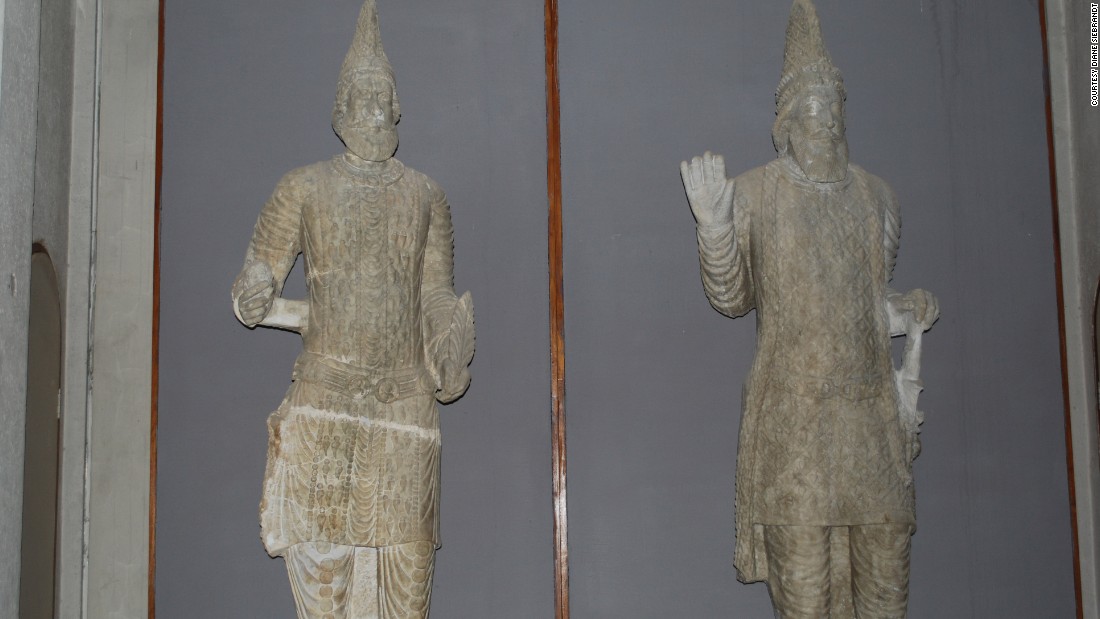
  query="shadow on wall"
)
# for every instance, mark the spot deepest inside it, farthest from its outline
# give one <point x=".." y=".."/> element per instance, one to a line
<point x="40" y="461"/>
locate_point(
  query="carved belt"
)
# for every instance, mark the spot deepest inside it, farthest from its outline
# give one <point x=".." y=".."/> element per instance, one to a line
<point x="853" y="389"/>
<point x="386" y="386"/>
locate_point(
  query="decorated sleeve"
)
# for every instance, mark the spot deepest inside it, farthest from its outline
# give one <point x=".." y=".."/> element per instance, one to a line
<point x="724" y="260"/>
<point x="276" y="239"/>
<point x="891" y="226"/>
<point x="891" y="230"/>
<point x="437" y="294"/>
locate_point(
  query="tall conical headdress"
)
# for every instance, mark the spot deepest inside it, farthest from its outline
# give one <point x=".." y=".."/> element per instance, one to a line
<point x="365" y="56"/>
<point x="805" y="60"/>
<point x="366" y="53"/>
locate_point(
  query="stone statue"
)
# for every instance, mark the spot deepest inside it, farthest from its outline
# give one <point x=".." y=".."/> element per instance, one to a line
<point x="829" y="430"/>
<point x="351" y="490"/>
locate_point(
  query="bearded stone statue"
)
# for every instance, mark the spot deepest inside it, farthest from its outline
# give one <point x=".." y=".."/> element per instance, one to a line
<point x="351" y="490"/>
<point x="825" y="503"/>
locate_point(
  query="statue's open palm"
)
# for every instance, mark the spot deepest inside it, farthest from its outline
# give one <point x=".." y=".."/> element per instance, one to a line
<point x="709" y="192"/>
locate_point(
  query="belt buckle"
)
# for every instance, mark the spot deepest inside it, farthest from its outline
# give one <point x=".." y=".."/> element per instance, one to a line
<point x="359" y="386"/>
<point x="386" y="390"/>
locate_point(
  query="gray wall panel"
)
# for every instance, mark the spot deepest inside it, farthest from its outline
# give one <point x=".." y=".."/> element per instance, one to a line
<point x="654" y="374"/>
<point x="945" y="103"/>
<point x="248" y="96"/>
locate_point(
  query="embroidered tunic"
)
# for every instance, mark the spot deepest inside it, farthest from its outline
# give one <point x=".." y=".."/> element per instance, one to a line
<point x="820" y="440"/>
<point x="354" y="448"/>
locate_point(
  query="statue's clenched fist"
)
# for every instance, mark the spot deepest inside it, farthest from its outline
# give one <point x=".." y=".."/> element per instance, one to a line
<point x="254" y="293"/>
<point x="923" y="305"/>
<point x="453" y="379"/>
<point x="709" y="192"/>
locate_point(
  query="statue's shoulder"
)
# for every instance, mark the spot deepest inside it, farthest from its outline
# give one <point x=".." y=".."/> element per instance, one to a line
<point x="881" y="196"/>
<point x="748" y="190"/>
<point x="420" y="179"/>
<point x="876" y="185"/>
<point x="303" y="179"/>
<point x="751" y="178"/>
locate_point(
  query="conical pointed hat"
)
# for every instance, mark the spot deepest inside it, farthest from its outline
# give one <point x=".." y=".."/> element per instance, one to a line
<point x="366" y="53"/>
<point x="805" y="59"/>
<point x="365" y="56"/>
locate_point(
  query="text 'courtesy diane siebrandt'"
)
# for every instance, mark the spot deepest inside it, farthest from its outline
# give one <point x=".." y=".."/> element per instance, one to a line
<point x="1094" y="54"/>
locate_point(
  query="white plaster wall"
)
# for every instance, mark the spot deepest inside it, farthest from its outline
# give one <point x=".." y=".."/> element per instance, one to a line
<point x="37" y="120"/>
<point x="18" y="105"/>
<point x="83" y="59"/>
<point x="69" y="70"/>
<point x="50" y="224"/>
<point x="51" y="227"/>
<point x="121" y="352"/>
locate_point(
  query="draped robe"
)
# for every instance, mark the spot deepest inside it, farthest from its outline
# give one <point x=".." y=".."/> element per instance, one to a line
<point x="354" y="448"/>
<point x="820" y="440"/>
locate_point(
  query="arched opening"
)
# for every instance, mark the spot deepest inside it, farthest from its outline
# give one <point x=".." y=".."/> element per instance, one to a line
<point x="38" y="567"/>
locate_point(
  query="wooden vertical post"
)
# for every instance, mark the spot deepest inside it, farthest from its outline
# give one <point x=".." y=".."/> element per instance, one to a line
<point x="155" y="388"/>
<point x="557" y="314"/>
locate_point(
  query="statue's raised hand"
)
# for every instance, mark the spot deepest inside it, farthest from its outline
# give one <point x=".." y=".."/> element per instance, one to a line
<point x="709" y="192"/>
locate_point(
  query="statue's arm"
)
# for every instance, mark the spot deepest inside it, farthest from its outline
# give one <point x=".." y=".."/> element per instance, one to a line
<point x="271" y="253"/>
<point x="446" y="320"/>
<point x="437" y="293"/>
<point x="724" y="260"/>
<point x="916" y="307"/>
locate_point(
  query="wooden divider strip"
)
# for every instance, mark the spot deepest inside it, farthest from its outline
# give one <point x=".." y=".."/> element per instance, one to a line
<point x="557" y="314"/>
<point x="154" y="408"/>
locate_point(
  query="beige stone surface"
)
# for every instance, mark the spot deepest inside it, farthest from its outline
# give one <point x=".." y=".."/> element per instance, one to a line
<point x="354" y="449"/>
<point x="828" y="431"/>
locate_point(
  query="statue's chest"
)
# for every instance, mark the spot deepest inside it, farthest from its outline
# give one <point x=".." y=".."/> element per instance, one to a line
<point x="823" y="281"/>
<point x="366" y="229"/>
<point x="825" y="243"/>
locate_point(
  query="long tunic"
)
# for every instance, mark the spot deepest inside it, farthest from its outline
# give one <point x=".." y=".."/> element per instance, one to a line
<point x="353" y="455"/>
<point x="820" y="441"/>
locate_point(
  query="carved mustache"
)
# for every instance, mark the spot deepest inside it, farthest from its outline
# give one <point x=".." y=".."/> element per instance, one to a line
<point x="825" y="135"/>
<point x="373" y="125"/>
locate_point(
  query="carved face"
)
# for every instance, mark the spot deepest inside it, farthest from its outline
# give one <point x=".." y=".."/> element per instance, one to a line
<point x="816" y="135"/>
<point x="368" y="127"/>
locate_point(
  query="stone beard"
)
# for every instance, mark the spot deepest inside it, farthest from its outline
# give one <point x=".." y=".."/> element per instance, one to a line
<point x="371" y="144"/>
<point x="823" y="159"/>
<point x="819" y="148"/>
<point x="366" y="115"/>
